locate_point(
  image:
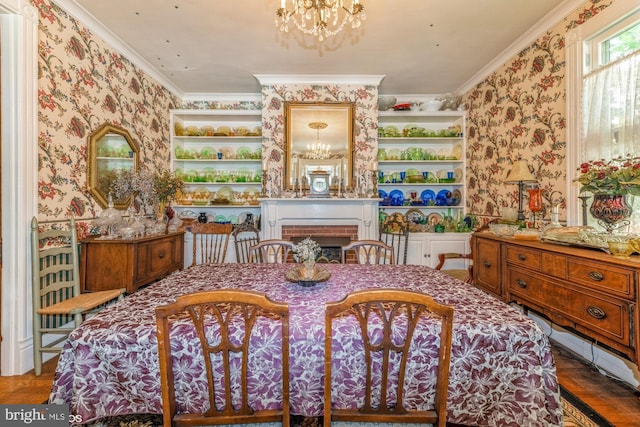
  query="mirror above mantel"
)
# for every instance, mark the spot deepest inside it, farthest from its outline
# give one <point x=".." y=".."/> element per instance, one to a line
<point x="319" y="136"/>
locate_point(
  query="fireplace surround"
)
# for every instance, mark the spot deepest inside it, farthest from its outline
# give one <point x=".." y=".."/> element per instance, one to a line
<point x="284" y="218"/>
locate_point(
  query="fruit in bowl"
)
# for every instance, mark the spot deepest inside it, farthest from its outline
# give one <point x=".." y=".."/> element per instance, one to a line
<point x="504" y="230"/>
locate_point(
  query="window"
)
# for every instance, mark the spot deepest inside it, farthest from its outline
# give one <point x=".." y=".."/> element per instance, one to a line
<point x="603" y="95"/>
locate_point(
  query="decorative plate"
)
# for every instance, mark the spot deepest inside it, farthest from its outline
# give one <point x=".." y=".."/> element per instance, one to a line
<point x="296" y="275"/>
<point x="397" y="197"/>
<point x="442" y="197"/>
<point x="457" y="174"/>
<point x="434" y="218"/>
<point x="415" y="216"/>
<point x="457" y="151"/>
<point x="427" y="196"/>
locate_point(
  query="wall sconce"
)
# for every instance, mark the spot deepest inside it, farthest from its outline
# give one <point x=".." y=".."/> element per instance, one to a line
<point x="520" y="174"/>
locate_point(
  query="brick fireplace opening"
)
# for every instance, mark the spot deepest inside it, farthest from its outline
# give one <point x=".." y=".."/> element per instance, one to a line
<point x="329" y="237"/>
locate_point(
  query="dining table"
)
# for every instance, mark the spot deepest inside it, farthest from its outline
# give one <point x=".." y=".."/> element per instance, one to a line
<point x="502" y="371"/>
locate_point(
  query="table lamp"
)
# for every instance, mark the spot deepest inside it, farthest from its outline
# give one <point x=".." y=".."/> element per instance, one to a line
<point x="520" y="174"/>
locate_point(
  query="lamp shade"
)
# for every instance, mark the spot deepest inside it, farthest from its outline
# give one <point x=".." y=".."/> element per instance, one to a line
<point x="519" y="172"/>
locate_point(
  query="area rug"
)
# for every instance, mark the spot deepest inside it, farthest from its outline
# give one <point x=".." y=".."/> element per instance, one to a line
<point x="576" y="414"/>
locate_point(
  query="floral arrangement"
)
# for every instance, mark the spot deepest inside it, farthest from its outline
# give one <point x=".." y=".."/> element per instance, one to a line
<point x="306" y="250"/>
<point x="150" y="188"/>
<point x="618" y="176"/>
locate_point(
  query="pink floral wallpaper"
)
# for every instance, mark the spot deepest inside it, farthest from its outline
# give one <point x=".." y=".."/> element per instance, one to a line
<point x="519" y="112"/>
<point x="83" y="82"/>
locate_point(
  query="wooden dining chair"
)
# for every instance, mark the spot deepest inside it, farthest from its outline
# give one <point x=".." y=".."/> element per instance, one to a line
<point x="464" y="274"/>
<point x="224" y="321"/>
<point x="58" y="305"/>
<point x="387" y="321"/>
<point x="394" y="231"/>
<point x="210" y="242"/>
<point x="272" y="251"/>
<point x="245" y="235"/>
<point x="368" y="252"/>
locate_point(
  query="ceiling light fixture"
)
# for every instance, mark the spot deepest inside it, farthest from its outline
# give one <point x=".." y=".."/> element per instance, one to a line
<point x="318" y="150"/>
<point x="321" y="18"/>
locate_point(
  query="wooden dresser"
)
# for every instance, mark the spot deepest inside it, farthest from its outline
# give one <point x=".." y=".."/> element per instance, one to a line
<point x="584" y="289"/>
<point x="130" y="264"/>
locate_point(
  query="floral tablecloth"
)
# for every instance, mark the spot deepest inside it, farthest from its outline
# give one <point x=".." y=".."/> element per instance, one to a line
<point x="502" y="369"/>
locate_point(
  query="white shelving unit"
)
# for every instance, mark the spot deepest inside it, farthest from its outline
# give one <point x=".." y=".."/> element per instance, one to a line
<point x="437" y="156"/>
<point x="434" y="154"/>
<point x="236" y="135"/>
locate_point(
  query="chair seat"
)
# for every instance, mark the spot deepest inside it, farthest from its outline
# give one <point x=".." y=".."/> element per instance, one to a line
<point x="458" y="274"/>
<point x="82" y="302"/>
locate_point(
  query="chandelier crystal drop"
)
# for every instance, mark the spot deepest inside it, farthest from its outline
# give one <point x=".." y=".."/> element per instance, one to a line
<point x="318" y="150"/>
<point x="320" y="18"/>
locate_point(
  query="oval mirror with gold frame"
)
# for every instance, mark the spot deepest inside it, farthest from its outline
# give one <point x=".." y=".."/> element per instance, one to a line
<point x="110" y="150"/>
<point x="319" y="136"/>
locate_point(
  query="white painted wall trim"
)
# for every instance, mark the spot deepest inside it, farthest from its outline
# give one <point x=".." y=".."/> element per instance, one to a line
<point x="574" y="45"/>
<point x="608" y="363"/>
<point x="318" y="79"/>
<point x="19" y="38"/>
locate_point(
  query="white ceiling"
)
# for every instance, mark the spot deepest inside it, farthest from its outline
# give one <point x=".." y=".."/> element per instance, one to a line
<point x="420" y="46"/>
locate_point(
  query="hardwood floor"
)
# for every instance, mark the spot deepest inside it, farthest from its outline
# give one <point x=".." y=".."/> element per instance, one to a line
<point x="618" y="403"/>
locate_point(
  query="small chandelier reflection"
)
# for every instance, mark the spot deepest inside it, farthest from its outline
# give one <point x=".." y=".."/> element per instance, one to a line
<point x="321" y="18"/>
<point x="318" y="150"/>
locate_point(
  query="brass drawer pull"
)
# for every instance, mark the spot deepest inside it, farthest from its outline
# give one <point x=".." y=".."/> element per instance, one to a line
<point x="522" y="257"/>
<point x="487" y="264"/>
<point x="521" y="283"/>
<point x="597" y="276"/>
<point x="596" y="312"/>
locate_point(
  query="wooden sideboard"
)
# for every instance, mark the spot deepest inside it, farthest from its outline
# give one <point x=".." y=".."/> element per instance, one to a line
<point x="586" y="290"/>
<point x="119" y="263"/>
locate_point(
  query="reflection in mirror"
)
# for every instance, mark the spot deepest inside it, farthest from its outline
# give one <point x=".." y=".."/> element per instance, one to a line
<point x="110" y="150"/>
<point x="319" y="136"/>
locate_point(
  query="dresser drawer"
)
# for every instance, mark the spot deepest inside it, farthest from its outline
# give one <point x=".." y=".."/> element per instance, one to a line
<point x="608" y="317"/>
<point x="525" y="257"/>
<point x="602" y="277"/>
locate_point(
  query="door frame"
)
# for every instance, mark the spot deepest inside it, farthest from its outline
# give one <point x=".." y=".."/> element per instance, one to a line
<point x="19" y="169"/>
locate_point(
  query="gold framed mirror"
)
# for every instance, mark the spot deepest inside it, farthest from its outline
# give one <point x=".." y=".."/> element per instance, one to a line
<point x="319" y="136"/>
<point x="110" y="150"/>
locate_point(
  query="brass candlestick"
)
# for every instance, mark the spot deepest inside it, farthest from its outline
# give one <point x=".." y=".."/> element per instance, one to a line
<point x="374" y="183"/>
<point x="264" y="185"/>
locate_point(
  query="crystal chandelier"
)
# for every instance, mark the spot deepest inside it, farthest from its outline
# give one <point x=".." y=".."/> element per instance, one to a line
<point x="321" y="18"/>
<point x="318" y="150"/>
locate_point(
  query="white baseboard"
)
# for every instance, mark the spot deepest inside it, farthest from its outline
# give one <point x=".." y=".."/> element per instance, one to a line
<point x="607" y="362"/>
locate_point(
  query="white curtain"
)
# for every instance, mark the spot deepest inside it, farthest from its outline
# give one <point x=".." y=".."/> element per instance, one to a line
<point x="611" y="109"/>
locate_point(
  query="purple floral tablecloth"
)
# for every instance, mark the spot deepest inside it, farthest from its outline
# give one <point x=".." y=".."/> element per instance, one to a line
<point x="502" y="369"/>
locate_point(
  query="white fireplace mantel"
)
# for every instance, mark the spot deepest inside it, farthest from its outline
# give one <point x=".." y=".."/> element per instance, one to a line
<point x="276" y="212"/>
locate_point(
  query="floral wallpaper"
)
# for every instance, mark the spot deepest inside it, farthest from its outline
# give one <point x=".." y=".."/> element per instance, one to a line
<point x="83" y="83"/>
<point x="519" y="112"/>
<point x="273" y="122"/>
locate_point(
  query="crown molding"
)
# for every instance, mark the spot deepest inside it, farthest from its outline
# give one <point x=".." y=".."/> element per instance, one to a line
<point x="220" y="97"/>
<point x="547" y="22"/>
<point x="306" y="79"/>
<point x="118" y="44"/>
